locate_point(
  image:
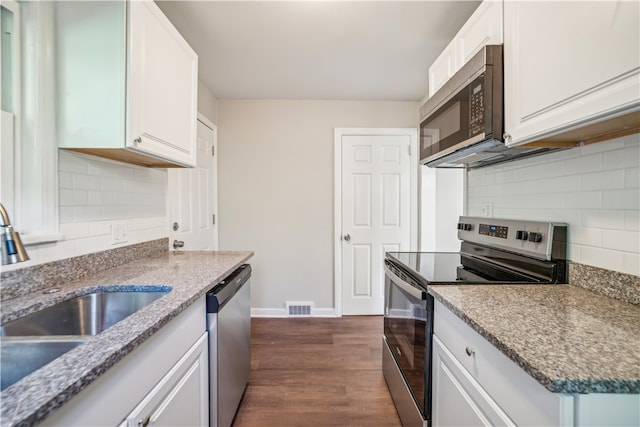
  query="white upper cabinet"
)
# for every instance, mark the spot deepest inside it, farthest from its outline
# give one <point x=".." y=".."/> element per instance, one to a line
<point x="127" y="83"/>
<point x="442" y="68"/>
<point x="482" y="28"/>
<point x="164" y="85"/>
<point x="569" y="65"/>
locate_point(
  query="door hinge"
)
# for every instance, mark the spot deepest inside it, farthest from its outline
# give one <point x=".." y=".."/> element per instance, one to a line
<point x="213" y="150"/>
<point x="213" y="217"/>
<point x="409" y="149"/>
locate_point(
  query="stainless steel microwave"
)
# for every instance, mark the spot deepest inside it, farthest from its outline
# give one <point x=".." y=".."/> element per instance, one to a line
<point x="463" y="121"/>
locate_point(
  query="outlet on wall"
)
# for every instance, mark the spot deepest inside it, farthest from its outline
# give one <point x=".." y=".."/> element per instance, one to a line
<point x="486" y="210"/>
<point x="118" y="233"/>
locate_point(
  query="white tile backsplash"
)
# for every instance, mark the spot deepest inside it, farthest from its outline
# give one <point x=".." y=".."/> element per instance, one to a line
<point x="108" y="190"/>
<point x="586" y="236"/>
<point x="93" y="194"/>
<point x="632" y="220"/>
<point x="584" y="164"/>
<point x="631" y="262"/>
<point x="595" y="189"/>
<point x="86" y="182"/>
<point x="626" y="157"/>
<point x="604" y="219"/>
<point x="606" y="180"/>
<point x="583" y="200"/>
<point x="113" y="184"/>
<point x="632" y="178"/>
<point x="626" y="241"/>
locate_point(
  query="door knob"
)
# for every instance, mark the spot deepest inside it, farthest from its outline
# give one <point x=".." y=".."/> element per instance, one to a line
<point x="347" y="237"/>
<point x="178" y="244"/>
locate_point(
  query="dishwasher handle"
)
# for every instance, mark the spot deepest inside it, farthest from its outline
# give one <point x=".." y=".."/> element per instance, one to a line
<point x="227" y="288"/>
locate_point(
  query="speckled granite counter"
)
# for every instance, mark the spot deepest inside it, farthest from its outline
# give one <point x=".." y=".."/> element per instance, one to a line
<point x="190" y="274"/>
<point x="570" y="339"/>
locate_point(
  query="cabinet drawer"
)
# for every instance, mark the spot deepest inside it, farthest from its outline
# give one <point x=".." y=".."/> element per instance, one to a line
<point x="458" y="399"/>
<point x="522" y="398"/>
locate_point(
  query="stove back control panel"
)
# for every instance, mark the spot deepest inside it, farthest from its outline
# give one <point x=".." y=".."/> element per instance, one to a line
<point x="534" y="238"/>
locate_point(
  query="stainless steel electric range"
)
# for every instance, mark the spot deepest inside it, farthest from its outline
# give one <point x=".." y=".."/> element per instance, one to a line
<point x="492" y="251"/>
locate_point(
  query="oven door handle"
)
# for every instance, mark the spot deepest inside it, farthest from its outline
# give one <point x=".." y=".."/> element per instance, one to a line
<point x="412" y="290"/>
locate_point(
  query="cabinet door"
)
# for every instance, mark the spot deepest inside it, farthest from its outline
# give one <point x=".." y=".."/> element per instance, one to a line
<point x="181" y="398"/>
<point x="568" y="64"/>
<point x="482" y="28"/>
<point x="442" y="68"/>
<point x="458" y="400"/>
<point x="162" y="88"/>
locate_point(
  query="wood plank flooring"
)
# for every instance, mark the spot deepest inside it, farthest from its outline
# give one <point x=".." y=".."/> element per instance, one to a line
<point x="319" y="372"/>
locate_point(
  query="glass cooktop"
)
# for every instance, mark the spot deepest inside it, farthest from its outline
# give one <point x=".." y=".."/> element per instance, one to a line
<point x="453" y="267"/>
<point x="432" y="266"/>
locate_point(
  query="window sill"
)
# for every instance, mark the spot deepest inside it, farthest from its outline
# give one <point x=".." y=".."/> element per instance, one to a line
<point x="39" y="239"/>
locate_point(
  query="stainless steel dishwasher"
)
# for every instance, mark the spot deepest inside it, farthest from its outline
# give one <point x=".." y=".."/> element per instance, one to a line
<point x="229" y="325"/>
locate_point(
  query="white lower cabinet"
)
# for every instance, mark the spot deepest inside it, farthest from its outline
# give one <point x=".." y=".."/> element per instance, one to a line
<point x="181" y="397"/>
<point x="163" y="382"/>
<point x="458" y="400"/>
<point x="475" y="384"/>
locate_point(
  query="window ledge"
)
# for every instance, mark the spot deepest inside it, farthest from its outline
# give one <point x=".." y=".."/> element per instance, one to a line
<point x="39" y="239"/>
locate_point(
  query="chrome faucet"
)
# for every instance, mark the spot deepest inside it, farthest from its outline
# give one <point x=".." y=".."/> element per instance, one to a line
<point x="13" y="250"/>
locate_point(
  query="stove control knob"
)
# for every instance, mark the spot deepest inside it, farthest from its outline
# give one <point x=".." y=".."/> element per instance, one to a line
<point x="468" y="227"/>
<point x="522" y="235"/>
<point x="460" y="226"/>
<point x="535" y="237"/>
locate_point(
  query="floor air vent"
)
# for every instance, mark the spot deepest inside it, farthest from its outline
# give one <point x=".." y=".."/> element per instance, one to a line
<point x="299" y="309"/>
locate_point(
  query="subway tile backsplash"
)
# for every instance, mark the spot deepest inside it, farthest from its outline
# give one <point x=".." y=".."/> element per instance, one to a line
<point x="595" y="189"/>
<point x="93" y="189"/>
<point x="94" y="194"/>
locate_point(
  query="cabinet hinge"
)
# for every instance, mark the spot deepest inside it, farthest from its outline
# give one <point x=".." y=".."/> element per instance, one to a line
<point x="409" y="150"/>
<point x="213" y="150"/>
<point x="213" y="217"/>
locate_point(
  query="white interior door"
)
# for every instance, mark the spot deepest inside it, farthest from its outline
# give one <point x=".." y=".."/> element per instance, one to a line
<point x="193" y="194"/>
<point x="376" y="203"/>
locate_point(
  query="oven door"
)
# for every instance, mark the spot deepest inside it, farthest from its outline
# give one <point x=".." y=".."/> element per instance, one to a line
<point x="408" y="329"/>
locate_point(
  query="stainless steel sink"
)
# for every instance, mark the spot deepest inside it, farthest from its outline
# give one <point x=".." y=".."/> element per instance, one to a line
<point x="20" y="357"/>
<point x="84" y="315"/>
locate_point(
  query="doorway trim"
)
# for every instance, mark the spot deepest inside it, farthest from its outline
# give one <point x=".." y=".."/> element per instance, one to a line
<point x="337" y="197"/>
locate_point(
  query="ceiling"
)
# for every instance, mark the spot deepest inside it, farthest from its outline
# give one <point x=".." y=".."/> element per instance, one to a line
<point x="347" y="50"/>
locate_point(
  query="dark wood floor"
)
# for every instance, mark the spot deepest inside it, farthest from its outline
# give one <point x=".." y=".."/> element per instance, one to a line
<point x="316" y="372"/>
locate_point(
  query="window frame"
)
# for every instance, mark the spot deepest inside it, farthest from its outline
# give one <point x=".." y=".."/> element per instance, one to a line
<point x="33" y="203"/>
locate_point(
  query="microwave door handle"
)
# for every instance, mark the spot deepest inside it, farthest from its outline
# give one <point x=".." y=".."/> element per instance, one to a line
<point x="416" y="293"/>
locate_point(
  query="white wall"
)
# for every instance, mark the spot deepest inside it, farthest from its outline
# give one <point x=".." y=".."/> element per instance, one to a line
<point x="96" y="193"/>
<point x="595" y="189"/>
<point x="441" y="204"/>
<point x="276" y="189"/>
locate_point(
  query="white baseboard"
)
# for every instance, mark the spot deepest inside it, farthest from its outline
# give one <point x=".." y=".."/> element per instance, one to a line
<point x="282" y="312"/>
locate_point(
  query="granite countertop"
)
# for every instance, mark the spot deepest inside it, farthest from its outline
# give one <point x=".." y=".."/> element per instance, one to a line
<point x="569" y="339"/>
<point x="189" y="274"/>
